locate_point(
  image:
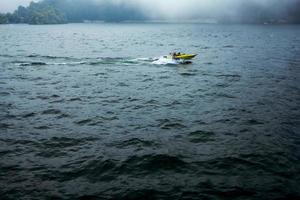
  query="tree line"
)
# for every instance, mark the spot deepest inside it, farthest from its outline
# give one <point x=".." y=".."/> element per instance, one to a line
<point x="65" y="11"/>
<point x="43" y="12"/>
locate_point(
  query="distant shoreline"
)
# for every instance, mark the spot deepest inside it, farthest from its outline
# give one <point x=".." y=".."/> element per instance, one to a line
<point x="152" y="22"/>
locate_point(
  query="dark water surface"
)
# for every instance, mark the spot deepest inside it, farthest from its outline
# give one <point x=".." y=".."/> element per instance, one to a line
<point x="85" y="114"/>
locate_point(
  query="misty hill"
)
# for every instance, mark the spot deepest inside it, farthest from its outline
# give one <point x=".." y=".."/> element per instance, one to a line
<point x="65" y="11"/>
<point x="44" y="12"/>
<point x="277" y="12"/>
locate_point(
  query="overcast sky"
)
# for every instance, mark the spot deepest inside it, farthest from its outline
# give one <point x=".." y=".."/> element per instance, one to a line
<point x="176" y="8"/>
<point x="11" y="5"/>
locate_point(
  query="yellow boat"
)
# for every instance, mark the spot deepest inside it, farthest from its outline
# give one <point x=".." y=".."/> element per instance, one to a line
<point x="185" y="56"/>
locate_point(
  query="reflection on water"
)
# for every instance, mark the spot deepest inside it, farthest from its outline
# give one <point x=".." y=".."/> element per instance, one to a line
<point x="85" y="114"/>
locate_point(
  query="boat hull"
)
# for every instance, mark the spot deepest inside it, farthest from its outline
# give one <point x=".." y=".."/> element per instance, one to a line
<point x="186" y="56"/>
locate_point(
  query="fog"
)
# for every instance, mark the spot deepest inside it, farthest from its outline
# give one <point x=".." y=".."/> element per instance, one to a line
<point x="11" y="5"/>
<point x="230" y="10"/>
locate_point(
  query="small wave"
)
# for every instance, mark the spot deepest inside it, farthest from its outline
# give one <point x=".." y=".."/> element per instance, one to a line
<point x="47" y="56"/>
<point x="136" y="142"/>
<point x="148" y="163"/>
<point x="75" y="99"/>
<point x="101" y="168"/>
<point x="228" y="46"/>
<point x="51" y="112"/>
<point x="224" y="95"/>
<point x="187" y="74"/>
<point x="229" y="75"/>
<point x="171" y="124"/>
<point x="254" y="122"/>
<point x="27" y="115"/>
<point x="53" y="147"/>
<point x="42" y="127"/>
<point x="95" y="120"/>
<point x="4" y="93"/>
<point x="84" y="121"/>
<point x="5" y="125"/>
<point x="92" y="169"/>
<point x="32" y="63"/>
<point x="201" y="136"/>
<point x="6" y="56"/>
<point x="145" y="194"/>
<point x="64" y="115"/>
<point x="168" y="61"/>
<point x="147" y="80"/>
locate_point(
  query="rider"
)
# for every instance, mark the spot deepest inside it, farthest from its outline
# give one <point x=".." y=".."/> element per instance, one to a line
<point x="174" y="54"/>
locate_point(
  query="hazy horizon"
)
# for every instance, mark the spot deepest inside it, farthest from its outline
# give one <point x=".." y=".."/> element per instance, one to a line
<point x="12" y="5"/>
<point x="185" y="9"/>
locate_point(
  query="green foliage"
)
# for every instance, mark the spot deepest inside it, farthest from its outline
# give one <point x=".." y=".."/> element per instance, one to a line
<point x="43" y="12"/>
<point x="63" y="11"/>
<point x="3" y="19"/>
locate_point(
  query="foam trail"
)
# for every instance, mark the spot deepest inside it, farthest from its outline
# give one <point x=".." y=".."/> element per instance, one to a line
<point x="108" y="61"/>
<point x="143" y="59"/>
<point x="167" y="61"/>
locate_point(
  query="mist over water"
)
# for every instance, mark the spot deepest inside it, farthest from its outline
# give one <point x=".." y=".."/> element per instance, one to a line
<point x="224" y="11"/>
<point x="86" y="114"/>
<point x="221" y="10"/>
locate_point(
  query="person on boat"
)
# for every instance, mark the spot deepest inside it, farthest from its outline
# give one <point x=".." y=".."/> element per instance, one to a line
<point x="174" y="55"/>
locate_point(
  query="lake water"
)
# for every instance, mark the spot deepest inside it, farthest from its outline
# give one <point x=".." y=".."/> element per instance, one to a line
<point x="86" y="114"/>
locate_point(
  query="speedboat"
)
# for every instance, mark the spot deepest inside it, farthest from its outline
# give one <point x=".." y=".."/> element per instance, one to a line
<point x="185" y="56"/>
<point x="182" y="56"/>
<point x="174" y="59"/>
